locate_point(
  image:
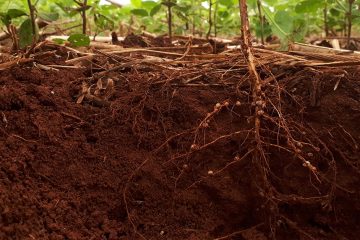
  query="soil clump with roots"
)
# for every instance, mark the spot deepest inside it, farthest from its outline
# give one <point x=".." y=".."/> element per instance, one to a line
<point x="148" y="151"/>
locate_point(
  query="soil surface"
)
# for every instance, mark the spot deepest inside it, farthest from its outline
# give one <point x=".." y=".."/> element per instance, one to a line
<point x="84" y="171"/>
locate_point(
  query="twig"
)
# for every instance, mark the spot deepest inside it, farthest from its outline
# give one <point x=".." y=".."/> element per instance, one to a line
<point x="72" y="116"/>
<point x="238" y="232"/>
<point x="32" y="17"/>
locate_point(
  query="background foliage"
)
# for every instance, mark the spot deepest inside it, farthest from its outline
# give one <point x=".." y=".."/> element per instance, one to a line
<point x="291" y="19"/>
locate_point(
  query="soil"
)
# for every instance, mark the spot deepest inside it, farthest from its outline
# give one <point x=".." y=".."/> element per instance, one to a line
<point x="80" y="171"/>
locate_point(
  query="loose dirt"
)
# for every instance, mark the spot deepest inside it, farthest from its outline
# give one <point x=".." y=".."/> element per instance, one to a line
<point x="81" y="171"/>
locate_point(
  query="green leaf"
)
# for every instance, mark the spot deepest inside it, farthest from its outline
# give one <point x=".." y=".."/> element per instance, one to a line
<point x="284" y="20"/>
<point x="155" y="10"/>
<point x="309" y="6"/>
<point x="58" y="40"/>
<point x="299" y="31"/>
<point x="103" y="22"/>
<point x="136" y="3"/>
<point x="140" y="12"/>
<point x="275" y="27"/>
<point x="11" y="14"/>
<point x="26" y="36"/>
<point x="61" y="6"/>
<point x="271" y="2"/>
<point x="226" y="3"/>
<point x="223" y="14"/>
<point x="50" y="17"/>
<point x="181" y="16"/>
<point x="15" y="13"/>
<point x="335" y="12"/>
<point x="5" y="19"/>
<point x="79" y="40"/>
<point x="341" y="4"/>
<point x="148" y="4"/>
<point x="168" y="3"/>
<point x="184" y="8"/>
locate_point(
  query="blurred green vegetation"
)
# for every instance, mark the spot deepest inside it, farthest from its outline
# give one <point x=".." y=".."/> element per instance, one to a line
<point x="287" y="19"/>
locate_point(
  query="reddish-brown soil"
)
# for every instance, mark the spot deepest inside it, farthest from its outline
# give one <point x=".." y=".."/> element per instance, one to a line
<point x="64" y="167"/>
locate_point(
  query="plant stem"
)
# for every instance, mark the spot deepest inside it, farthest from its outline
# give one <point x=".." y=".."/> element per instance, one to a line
<point x="200" y="28"/>
<point x="255" y="78"/>
<point x="170" y="23"/>
<point x="345" y="26"/>
<point x="349" y="21"/>
<point x="32" y="17"/>
<point x="210" y="20"/>
<point x="84" y="16"/>
<point x="259" y="159"/>
<point x="83" y="8"/>
<point x="261" y="21"/>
